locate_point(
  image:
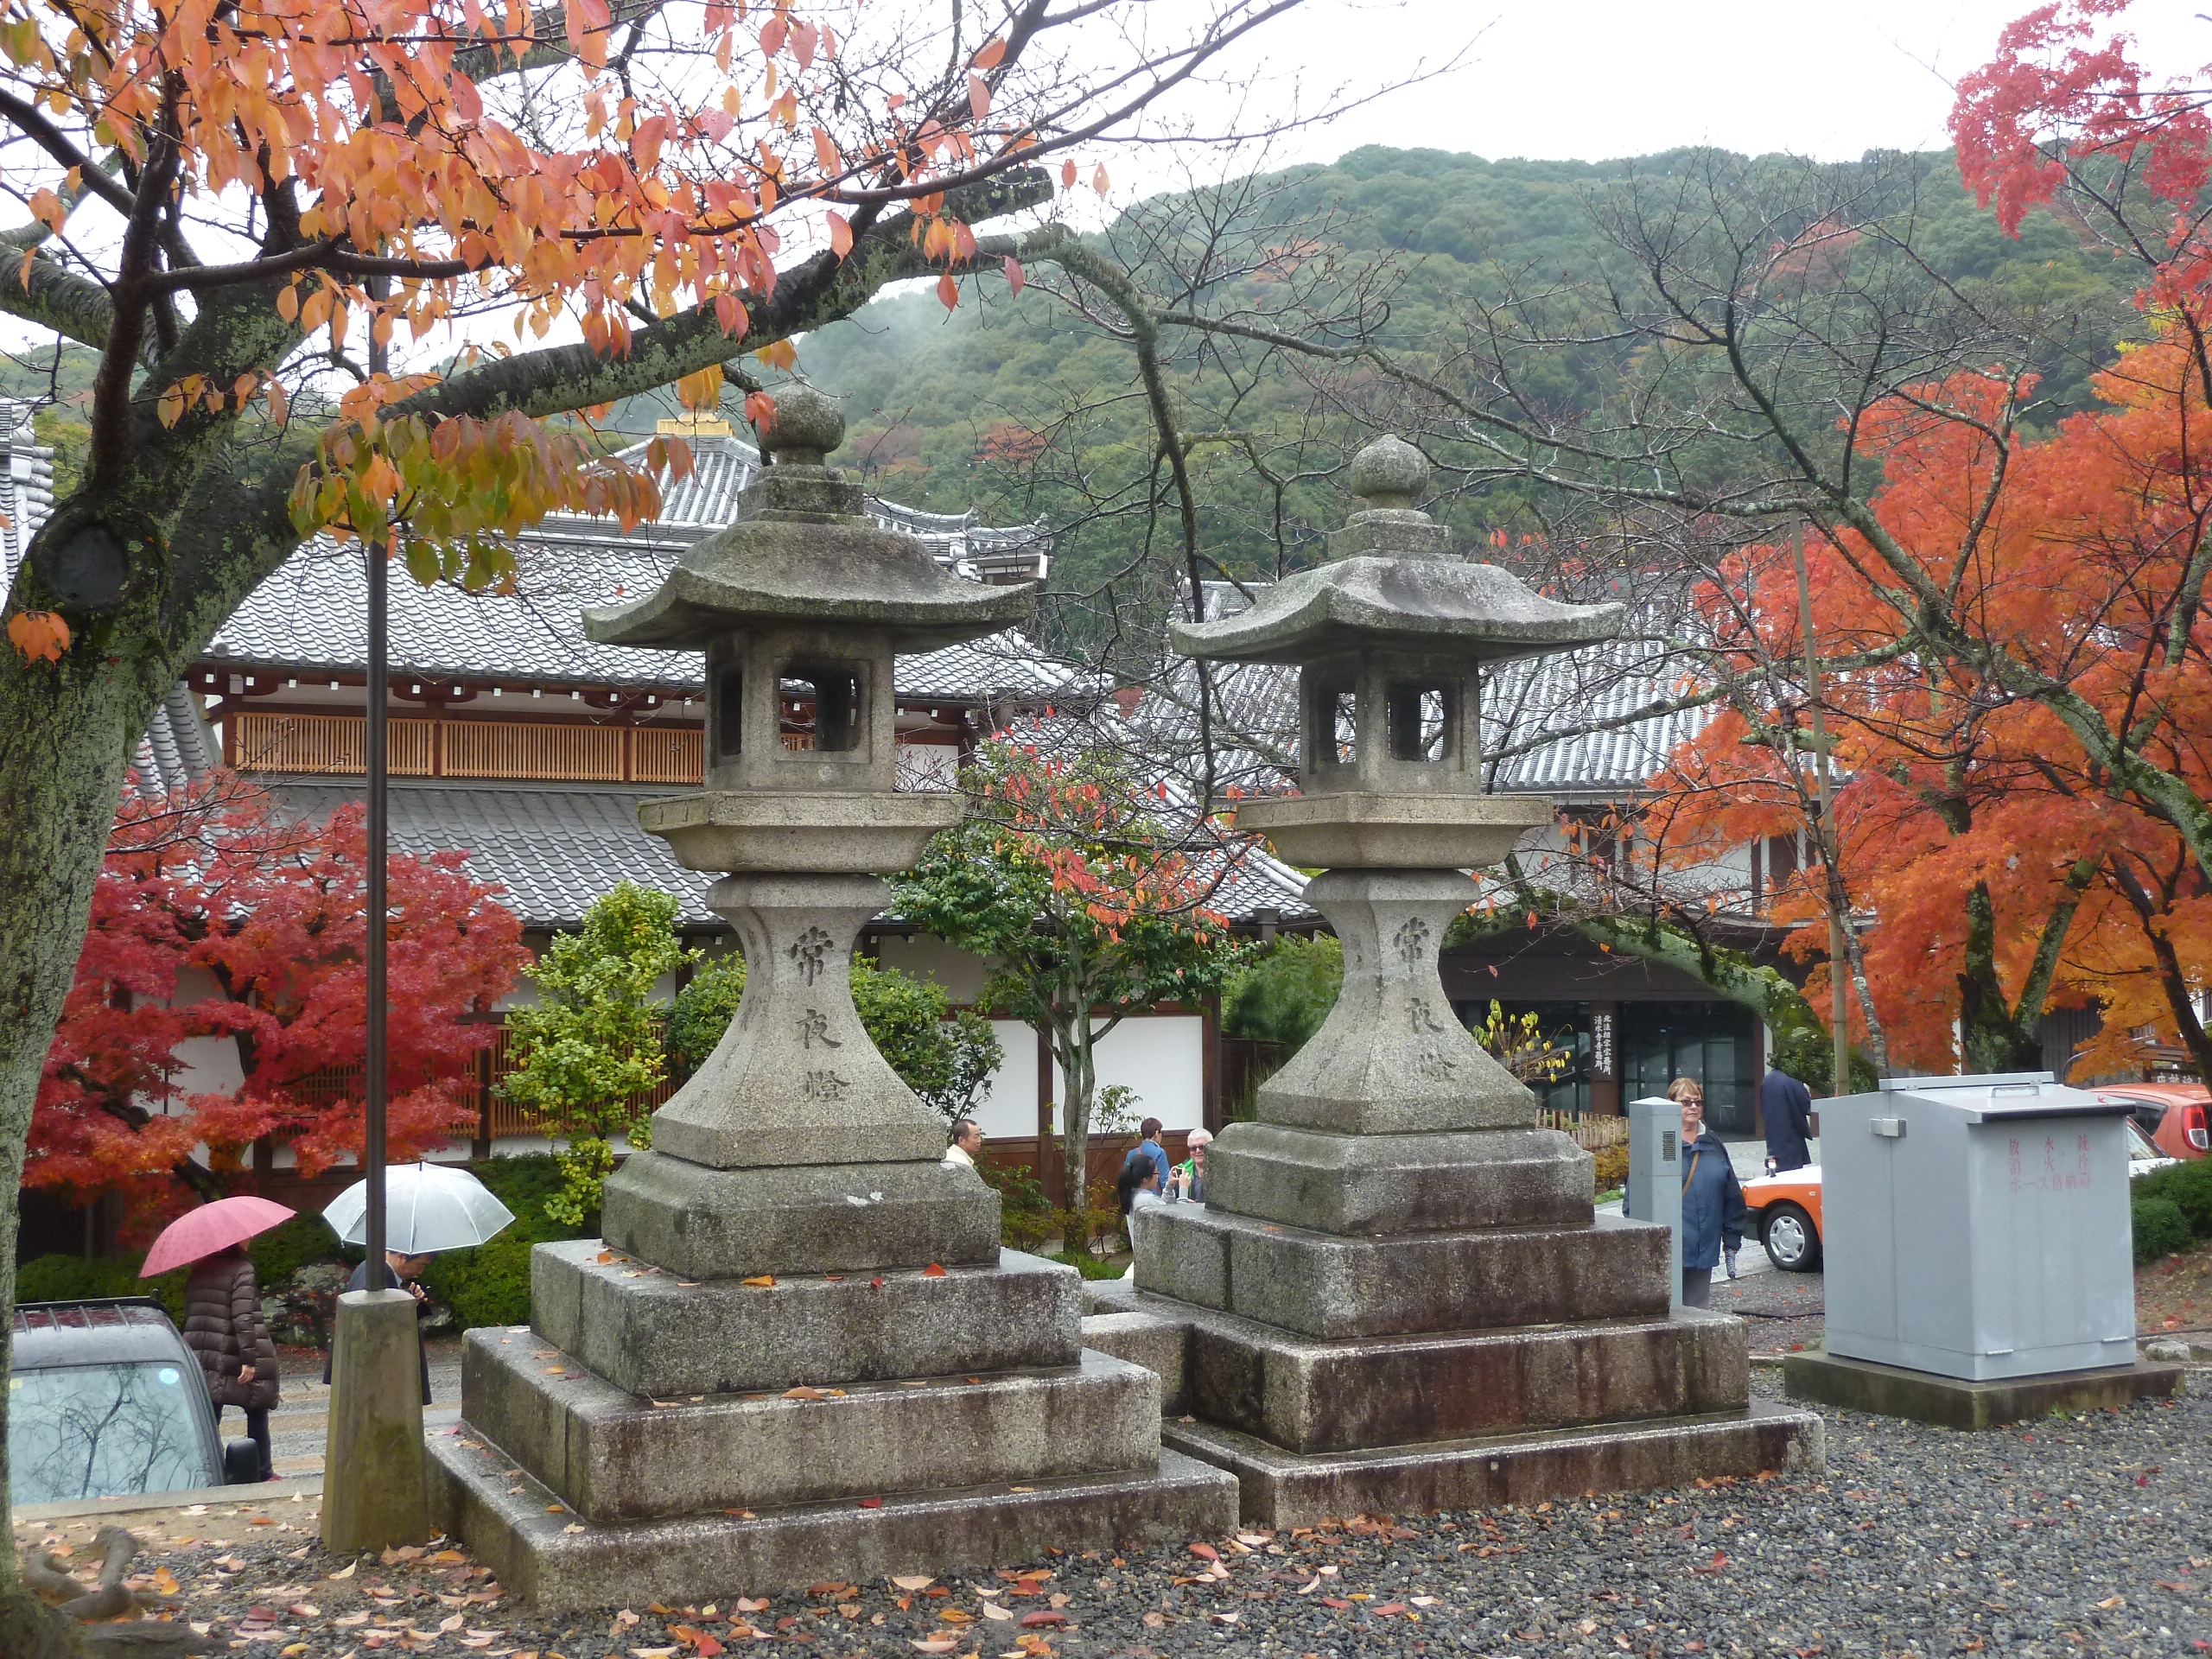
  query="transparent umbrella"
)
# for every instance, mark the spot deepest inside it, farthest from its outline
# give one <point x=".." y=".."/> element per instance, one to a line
<point x="428" y="1207"/>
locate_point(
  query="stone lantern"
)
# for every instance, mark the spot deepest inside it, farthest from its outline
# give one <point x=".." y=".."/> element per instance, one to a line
<point x="1397" y="1295"/>
<point x="800" y="1352"/>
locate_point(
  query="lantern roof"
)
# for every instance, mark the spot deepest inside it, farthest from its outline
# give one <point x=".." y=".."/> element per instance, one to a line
<point x="802" y="551"/>
<point x="1394" y="583"/>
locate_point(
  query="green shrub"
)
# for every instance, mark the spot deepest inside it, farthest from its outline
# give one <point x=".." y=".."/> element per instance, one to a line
<point x="1089" y="1266"/>
<point x="77" y="1278"/>
<point x="524" y="1183"/>
<point x="2187" y="1187"/>
<point x="488" y="1285"/>
<point x="1026" y="1215"/>
<point x="282" y="1251"/>
<point x="2161" y="1229"/>
<point x="1285" y="995"/>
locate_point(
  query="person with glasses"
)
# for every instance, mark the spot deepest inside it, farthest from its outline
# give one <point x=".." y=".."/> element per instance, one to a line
<point x="1712" y="1198"/>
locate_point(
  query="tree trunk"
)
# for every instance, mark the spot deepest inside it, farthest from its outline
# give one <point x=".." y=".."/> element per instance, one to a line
<point x="1073" y="1039"/>
<point x="66" y="731"/>
<point x="1990" y="1039"/>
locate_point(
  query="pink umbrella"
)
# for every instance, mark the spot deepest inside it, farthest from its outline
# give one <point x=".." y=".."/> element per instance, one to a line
<point x="211" y="1228"/>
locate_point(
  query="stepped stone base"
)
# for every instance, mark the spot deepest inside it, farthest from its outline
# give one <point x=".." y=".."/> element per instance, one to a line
<point x="1366" y="1183"/>
<point x="1321" y="1285"/>
<point x="1289" y="1489"/>
<point x="1958" y="1402"/>
<point x="481" y="1496"/>
<point x="702" y="1222"/>
<point x="1308" y="1395"/>
<point x="615" y="1457"/>
<point x="649" y="1332"/>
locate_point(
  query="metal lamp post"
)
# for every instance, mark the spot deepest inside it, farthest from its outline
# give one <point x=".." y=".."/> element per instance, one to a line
<point x="375" y="1474"/>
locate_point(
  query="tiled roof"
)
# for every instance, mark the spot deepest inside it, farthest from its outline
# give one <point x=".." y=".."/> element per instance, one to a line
<point x="1601" y="686"/>
<point x="1535" y="715"/>
<point x="705" y="499"/>
<point x="554" y="847"/>
<point x="310" y="614"/>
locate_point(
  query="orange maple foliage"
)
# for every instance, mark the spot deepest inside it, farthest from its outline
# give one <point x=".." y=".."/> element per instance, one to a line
<point x="1988" y="855"/>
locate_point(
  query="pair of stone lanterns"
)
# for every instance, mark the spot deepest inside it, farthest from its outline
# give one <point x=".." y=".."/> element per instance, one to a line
<point x="801" y="1354"/>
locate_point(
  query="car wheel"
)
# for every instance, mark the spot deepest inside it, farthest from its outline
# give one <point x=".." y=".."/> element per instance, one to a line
<point x="1792" y="1243"/>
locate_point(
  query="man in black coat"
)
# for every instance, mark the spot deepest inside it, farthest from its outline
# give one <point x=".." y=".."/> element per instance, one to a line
<point x="1787" y="1106"/>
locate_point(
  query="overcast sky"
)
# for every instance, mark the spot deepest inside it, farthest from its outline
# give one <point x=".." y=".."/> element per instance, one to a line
<point x="1593" y="80"/>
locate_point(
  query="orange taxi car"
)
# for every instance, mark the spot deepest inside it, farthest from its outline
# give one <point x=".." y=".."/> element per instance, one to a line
<point x="1786" y="1209"/>
<point x="2174" y="1115"/>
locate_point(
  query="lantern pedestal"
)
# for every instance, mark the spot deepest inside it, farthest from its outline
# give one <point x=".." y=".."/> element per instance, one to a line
<point x="800" y="1353"/>
<point x="1397" y="1295"/>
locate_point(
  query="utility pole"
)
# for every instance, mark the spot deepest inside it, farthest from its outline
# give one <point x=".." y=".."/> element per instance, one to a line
<point x="1839" y="966"/>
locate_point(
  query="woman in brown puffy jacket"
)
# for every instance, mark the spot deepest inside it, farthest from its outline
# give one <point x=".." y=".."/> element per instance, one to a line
<point x="223" y="1326"/>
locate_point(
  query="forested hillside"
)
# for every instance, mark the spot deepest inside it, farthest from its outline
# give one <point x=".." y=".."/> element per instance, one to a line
<point x="1021" y="406"/>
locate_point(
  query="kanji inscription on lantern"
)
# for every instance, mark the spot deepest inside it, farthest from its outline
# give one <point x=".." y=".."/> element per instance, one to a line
<point x="813" y="1027"/>
<point x="825" y="1085"/>
<point x="1412" y="940"/>
<point x="1423" y="1017"/>
<point x="811" y="950"/>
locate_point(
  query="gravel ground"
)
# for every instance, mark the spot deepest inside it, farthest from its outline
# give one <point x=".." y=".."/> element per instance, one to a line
<point x="2076" y="1535"/>
<point x="1785" y="1311"/>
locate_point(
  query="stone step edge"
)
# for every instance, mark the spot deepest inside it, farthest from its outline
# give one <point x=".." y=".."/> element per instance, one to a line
<point x="1097" y="1376"/>
<point x="1184" y="1435"/>
<point x="1283" y="1488"/>
<point x="533" y="1546"/>
<point x="1173" y="1311"/>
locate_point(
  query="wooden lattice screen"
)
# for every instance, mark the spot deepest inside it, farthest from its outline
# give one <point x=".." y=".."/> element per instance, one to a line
<point x="334" y="744"/>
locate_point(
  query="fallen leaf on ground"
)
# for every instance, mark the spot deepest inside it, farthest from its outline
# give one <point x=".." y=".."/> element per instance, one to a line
<point x="1043" y="1615"/>
<point x="992" y="1610"/>
<point x="762" y="1282"/>
<point x="906" y="1583"/>
<point x="1308" y="1589"/>
<point x="933" y="1271"/>
<point x="937" y="1643"/>
<point x="1206" y="1551"/>
<point x="803" y="1392"/>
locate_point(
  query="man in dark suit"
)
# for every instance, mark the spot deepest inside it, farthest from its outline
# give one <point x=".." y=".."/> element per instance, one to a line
<point x="1787" y="1106"/>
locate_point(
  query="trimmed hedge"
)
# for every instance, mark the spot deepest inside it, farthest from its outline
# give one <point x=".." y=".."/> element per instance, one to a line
<point x="76" y="1278"/>
<point x="2188" y="1186"/>
<point x="2161" y="1229"/>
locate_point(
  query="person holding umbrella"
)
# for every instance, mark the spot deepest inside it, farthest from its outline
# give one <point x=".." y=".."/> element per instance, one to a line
<point x="428" y="1207"/>
<point x="223" y="1325"/>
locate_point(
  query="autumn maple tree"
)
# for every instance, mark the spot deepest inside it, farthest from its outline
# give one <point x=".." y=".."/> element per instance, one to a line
<point x="1075" y="881"/>
<point x="215" y="918"/>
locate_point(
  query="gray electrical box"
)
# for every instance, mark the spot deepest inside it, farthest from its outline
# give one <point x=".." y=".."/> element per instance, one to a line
<point x="1655" y="1172"/>
<point x="1977" y="1227"/>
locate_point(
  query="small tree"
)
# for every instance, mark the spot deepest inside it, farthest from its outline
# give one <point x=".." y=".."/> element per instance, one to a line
<point x="944" y="1058"/>
<point x="1090" y="907"/>
<point x="1283" y="996"/>
<point x="209" y="884"/>
<point x="589" y="1055"/>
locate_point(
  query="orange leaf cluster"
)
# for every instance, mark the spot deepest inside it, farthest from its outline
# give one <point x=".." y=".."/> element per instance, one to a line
<point x="2070" y="554"/>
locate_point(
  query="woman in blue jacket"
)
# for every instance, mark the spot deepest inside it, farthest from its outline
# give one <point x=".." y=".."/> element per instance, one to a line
<point x="1712" y="1198"/>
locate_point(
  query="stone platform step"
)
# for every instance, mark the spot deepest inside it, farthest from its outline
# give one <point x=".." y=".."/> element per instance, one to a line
<point x="1287" y="1489"/>
<point x="559" y="1563"/>
<point x="1304" y="1393"/>
<point x="652" y="1331"/>
<point x="612" y="1455"/>
<point x="1327" y="1285"/>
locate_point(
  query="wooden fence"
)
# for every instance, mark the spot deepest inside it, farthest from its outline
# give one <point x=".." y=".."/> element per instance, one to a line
<point x="568" y="752"/>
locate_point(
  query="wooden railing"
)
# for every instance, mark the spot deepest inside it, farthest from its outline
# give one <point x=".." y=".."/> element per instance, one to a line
<point x="260" y="740"/>
<point x="1591" y="1134"/>
<point x="324" y="743"/>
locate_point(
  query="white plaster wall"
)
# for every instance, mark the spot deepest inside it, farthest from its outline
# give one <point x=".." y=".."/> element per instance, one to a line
<point x="1008" y="1107"/>
<point x="209" y="1065"/>
<point x="1162" y="1057"/>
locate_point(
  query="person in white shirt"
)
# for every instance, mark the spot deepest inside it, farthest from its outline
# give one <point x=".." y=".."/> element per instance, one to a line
<point x="966" y="1143"/>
